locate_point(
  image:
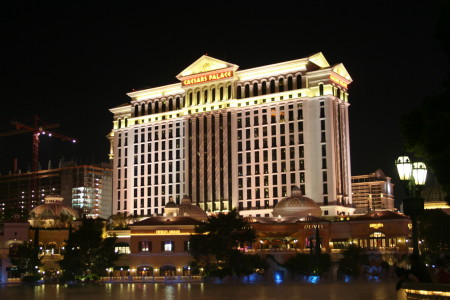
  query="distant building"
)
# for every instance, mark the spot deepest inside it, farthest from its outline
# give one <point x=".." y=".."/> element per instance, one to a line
<point x="87" y="188"/>
<point x="373" y="191"/>
<point x="235" y="138"/>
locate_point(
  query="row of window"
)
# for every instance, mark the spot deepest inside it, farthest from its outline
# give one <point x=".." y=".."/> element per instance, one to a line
<point x="155" y="203"/>
<point x="284" y="140"/>
<point x="202" y="97"/>
<point x="155" y="157"/>
<point x="267" y="182"/>
<point x="272" y="168"/>
<point x="151" y="180"/>
<point x="258" y="193"/>
<point x="157" y="191"/>
<point x="166" y="246"/>
<point x="272" y="118"/>
<point x="285" y="153"/>
<point x="158" y="106"/>
<point x="272" y="86"/>
<point x="157" y="135"/>
<point x="151" y="169"/>
<point x="267" y="131"/>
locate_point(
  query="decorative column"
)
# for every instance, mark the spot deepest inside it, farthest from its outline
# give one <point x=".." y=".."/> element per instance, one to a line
<point x="217" y="151"/>
<point x="201" y="165"/>
<point x="193" y="158"/>
<point x="226" y="171"/>
<point x="209" y="163"/>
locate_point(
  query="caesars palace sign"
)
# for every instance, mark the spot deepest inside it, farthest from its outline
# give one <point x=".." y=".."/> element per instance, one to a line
<point x="206" y="78"/>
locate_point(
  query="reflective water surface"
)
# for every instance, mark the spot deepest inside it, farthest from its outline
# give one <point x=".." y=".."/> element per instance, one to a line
<point x="203" y="291"/>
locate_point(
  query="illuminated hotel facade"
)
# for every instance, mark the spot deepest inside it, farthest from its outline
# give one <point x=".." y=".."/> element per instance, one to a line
<point x="235" y="138"/>
<point x="373" y="191"/>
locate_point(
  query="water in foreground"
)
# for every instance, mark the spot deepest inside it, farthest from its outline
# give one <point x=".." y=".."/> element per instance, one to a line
<point x="204" y="291"/>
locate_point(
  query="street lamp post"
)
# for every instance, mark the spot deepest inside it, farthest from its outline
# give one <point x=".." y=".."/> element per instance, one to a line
<point x="413" y="176"/>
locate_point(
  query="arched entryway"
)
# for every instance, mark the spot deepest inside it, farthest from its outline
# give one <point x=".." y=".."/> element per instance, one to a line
<point x="168" y="270"/>
<point x="186" y="271"/>
<point x="144" y="270"/>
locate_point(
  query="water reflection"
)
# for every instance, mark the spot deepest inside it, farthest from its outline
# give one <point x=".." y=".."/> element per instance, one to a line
<point x="203" y="291"/>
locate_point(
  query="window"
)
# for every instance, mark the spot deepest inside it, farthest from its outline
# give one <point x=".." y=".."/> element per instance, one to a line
<point x="124" y="248"/>
<point x="377" y="240"/>
<point x="302" y="177"/>
<point x="187" y="246"/>
<point x="255" y="89"/>
<point x="167" y="246"/>
<point x="281" y="85"/>
<point x="144" y="246"/>
<point x="325" y="188"/>
<point x="272" y="86"/>
<point x="290" y="84"/>
<point x="247" y="91"/>
<point x="239" y="92"/>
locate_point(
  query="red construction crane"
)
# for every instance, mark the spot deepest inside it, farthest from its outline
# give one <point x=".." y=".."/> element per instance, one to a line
<point x="37" y="130"/>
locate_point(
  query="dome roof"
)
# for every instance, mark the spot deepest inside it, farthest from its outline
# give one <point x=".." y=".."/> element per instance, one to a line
<point x="171" y="204"/>
<point x="297" y="205"/>
<point x="53" y="208"/>
<point x="433" y="193"/>
<point x="187" y="209"/>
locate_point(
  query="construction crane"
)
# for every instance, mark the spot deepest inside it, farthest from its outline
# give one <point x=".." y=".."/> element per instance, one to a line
<point x="37" y="130"/>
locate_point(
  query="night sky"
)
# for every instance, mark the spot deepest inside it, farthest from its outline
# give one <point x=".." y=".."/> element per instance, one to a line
<point x="70" y="63"/>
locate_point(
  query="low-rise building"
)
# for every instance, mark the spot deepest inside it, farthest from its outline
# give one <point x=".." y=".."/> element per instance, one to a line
<point x="159" y="245"/>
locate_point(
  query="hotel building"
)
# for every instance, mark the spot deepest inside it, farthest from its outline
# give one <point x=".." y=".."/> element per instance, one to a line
<point x="235" y="138"/>
<point x="373" y="191"/>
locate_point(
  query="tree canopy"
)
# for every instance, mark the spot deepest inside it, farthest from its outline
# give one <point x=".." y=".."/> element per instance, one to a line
<point x="352" y="260"/>
<point x="88" y="254"/>
<point x="26" y="257"/>
<point x="426" y="128"/>
<point x="216" y="242"/>
<point x="433" y="229"/>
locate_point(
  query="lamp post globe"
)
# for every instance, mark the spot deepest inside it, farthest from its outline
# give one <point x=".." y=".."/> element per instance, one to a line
<point x="413" y="176"/>
<point x="419" y="172"/>
<point x="404" y="167"/>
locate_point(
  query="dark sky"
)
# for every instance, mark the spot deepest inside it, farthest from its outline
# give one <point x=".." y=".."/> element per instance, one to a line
<point x="70" y="63"/>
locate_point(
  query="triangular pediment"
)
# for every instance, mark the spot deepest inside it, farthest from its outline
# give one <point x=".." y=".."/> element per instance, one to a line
<point x="319" y="60"/>
<point x="206" y="64"/>
<point x="342" y="71"/>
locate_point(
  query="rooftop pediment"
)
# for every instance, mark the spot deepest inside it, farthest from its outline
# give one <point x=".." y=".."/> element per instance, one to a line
<point x="342" y="71"/>
<point x="206" y="64"/>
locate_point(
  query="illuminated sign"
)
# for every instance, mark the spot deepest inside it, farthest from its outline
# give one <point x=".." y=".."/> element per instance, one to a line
<point x="206" y="78"/>
<point x="167" y="232"/>
<point x="338" y="81"/>
<point x="313" y="226"/>
<point x="376" y="225"/>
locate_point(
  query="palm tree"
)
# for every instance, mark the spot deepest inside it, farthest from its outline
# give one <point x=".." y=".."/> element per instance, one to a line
<point x="119" y="221"/>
